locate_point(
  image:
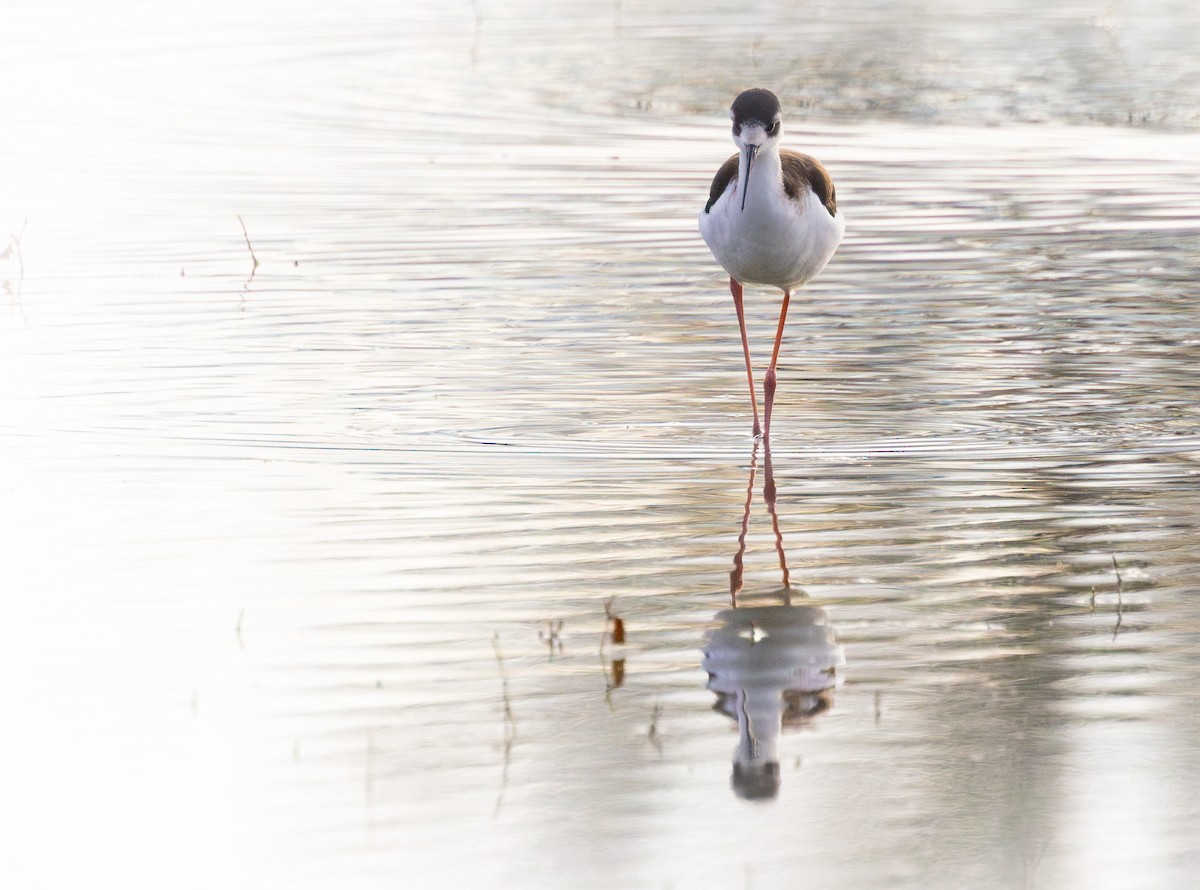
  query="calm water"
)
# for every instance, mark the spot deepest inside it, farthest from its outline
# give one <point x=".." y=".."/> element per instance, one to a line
<point x="311" y="570"/>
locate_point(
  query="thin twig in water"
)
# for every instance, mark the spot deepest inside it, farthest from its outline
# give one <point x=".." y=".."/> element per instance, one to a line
<point x="249" y="246"/>
<point x="14" y="246"/>
<point x="616" y="625"/>
<point x="652" y="733"/>
<point x="369" y="766"/>
<point x="552" y="636"/>
<point x="1120" y="602"/>
<point x="510" y="723"/>
<point x="614" y="630"/>
<point x="253" y="269"/>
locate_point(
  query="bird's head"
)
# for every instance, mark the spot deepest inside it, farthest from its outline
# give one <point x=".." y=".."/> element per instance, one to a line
<point x="756" y="117"/>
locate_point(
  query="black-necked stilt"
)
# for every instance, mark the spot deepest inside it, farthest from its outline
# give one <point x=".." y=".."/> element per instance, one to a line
<point x="779" y="228"/>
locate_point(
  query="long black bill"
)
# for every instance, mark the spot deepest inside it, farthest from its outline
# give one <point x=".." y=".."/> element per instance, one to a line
<point x="751" y="151"/>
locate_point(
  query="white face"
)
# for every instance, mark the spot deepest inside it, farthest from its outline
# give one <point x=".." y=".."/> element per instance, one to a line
<point x="755" y="133"/>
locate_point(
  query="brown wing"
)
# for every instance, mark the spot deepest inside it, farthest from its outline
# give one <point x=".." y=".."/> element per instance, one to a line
<point x="800" y="170"/>
<point x="721" y="181"/>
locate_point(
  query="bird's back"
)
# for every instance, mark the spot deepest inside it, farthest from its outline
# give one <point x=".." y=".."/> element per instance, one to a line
<point x="801" y="171"/>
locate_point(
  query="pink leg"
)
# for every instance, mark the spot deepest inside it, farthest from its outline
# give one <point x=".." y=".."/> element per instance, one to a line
<point x="736" y="289"/>
<point x="770" y="380"/>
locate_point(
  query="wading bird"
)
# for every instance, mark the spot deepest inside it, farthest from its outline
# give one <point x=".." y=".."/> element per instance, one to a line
<point x="771" y="218"/>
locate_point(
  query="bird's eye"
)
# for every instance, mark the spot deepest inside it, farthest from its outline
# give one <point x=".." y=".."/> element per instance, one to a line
<point x="774" y="129"/>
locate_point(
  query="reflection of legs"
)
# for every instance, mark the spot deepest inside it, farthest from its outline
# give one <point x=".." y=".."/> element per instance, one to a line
<point x="769" y="381"/>
<point x="769" y="494"/>
<point x="736" y="289"/>
<point x="739" y="558"/>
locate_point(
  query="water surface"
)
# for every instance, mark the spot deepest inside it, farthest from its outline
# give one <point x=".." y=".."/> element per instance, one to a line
<point x="311" y="566"/>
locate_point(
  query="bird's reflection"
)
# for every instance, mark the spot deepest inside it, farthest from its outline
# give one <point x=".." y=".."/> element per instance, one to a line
<point x="772" y="659"/>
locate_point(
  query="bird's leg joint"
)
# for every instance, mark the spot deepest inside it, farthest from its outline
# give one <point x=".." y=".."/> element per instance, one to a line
<point x="769" y="383"/>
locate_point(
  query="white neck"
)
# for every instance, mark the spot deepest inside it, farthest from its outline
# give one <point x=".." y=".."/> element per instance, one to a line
<point x="766" y="176"/>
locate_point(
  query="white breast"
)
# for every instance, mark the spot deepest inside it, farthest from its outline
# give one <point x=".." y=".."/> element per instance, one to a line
<point x="776" y="240"/>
